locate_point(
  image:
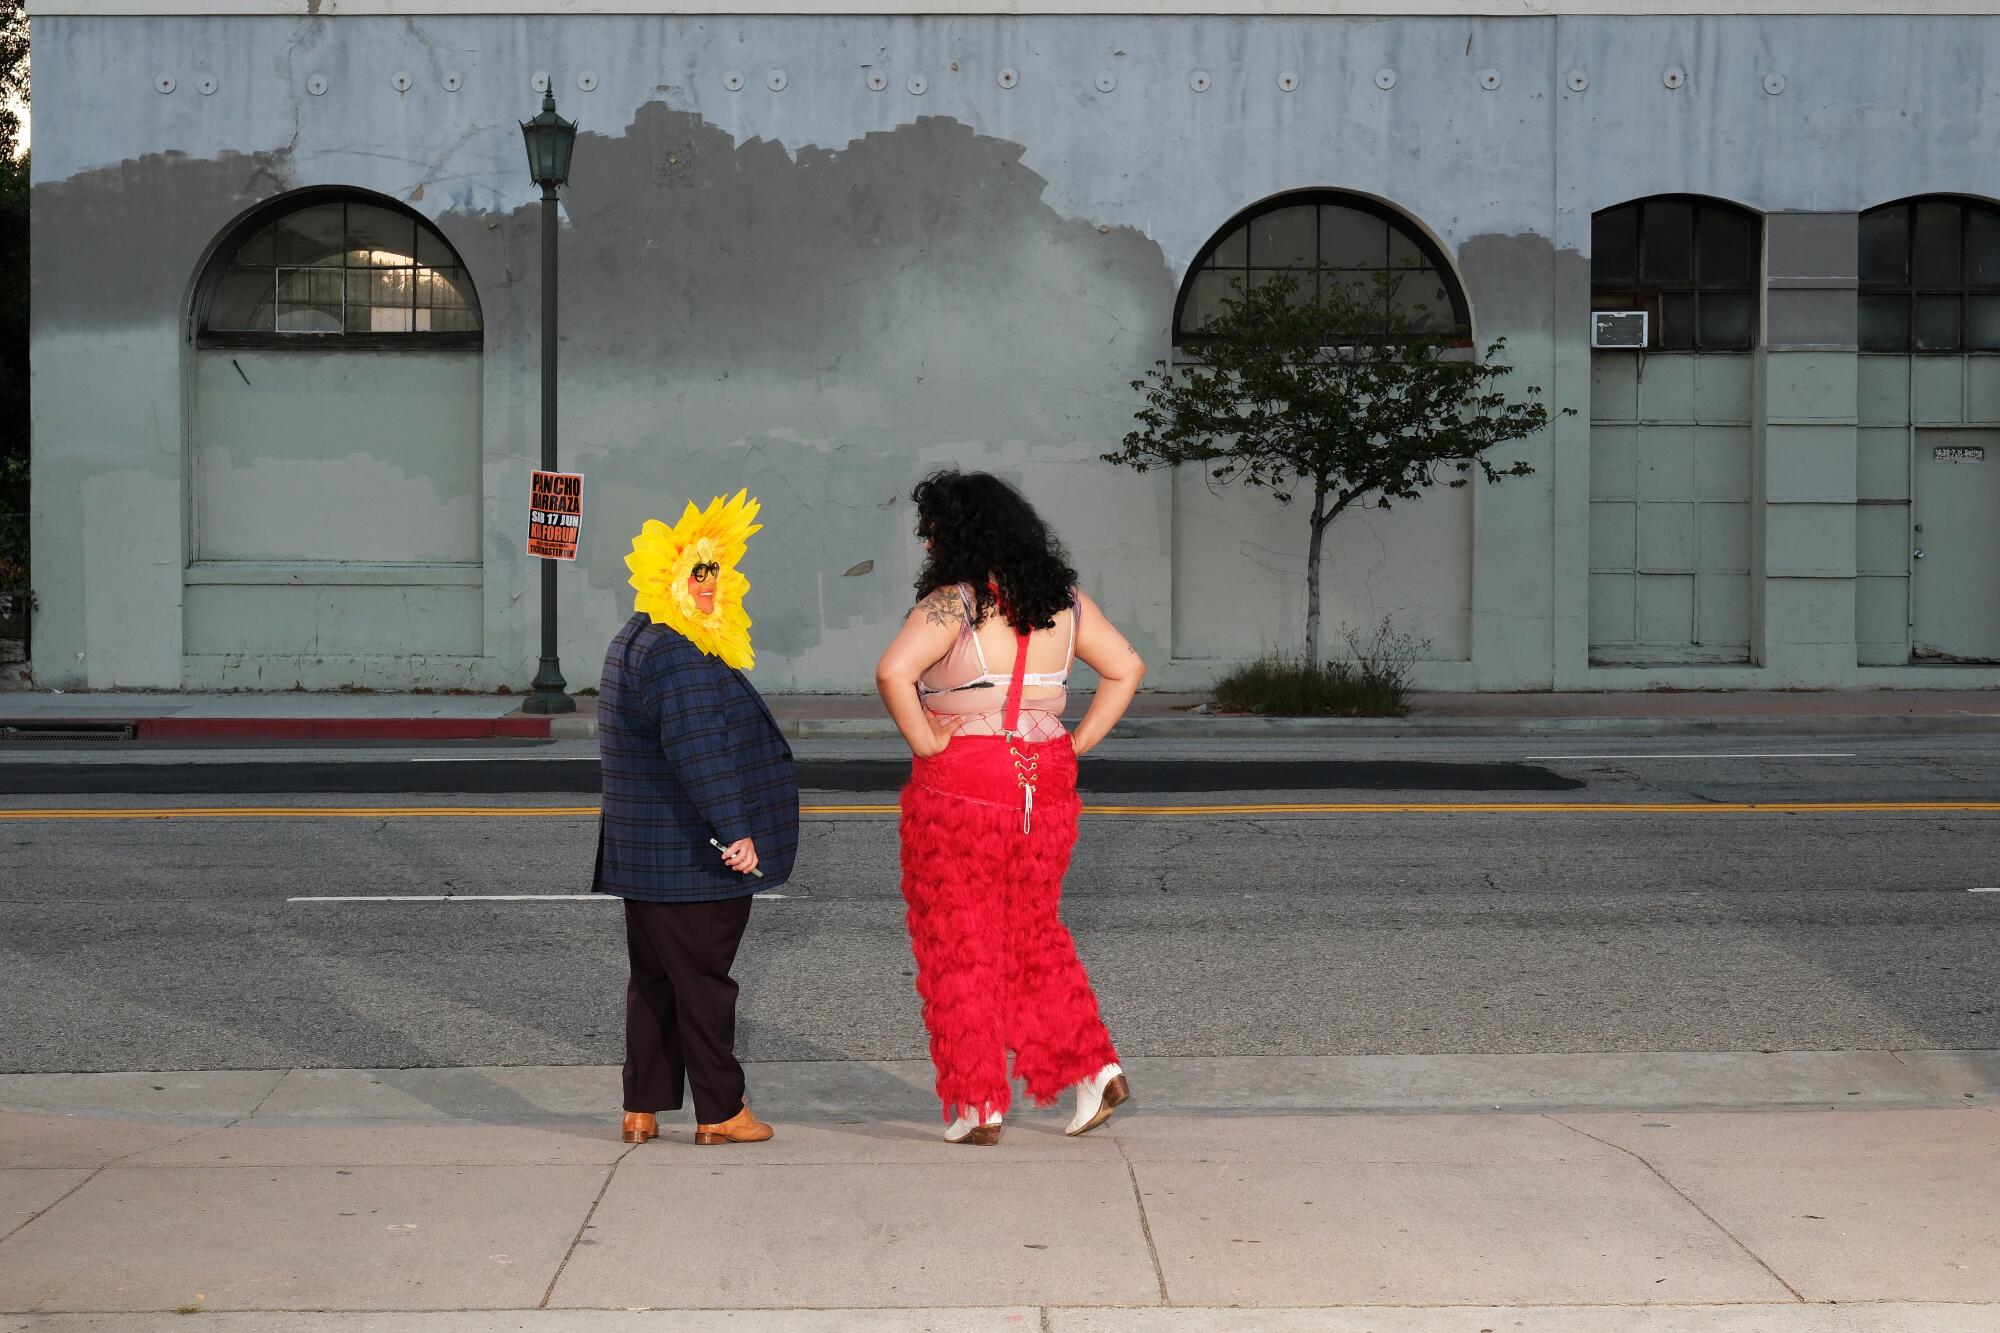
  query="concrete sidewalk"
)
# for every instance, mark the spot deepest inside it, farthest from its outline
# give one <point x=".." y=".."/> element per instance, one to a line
<point x="1895" y="1317"/>
<point x="506" y="1192"/>
<point x="438" y="717"/>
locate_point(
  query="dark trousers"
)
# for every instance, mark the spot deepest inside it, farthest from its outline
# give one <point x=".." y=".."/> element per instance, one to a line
<point x="680" y="1006"/>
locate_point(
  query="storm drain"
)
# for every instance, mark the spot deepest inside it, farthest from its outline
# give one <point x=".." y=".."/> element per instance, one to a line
<point x="69" y="730"/>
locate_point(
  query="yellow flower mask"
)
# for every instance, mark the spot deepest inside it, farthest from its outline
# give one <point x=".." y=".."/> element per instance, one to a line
<point x="687" y="576"/>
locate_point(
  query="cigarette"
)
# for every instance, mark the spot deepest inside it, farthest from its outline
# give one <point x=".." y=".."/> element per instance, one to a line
<point x="720" y="848"/>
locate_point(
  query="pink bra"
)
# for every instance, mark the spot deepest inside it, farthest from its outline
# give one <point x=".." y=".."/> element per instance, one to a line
<point x="962" y="683"/>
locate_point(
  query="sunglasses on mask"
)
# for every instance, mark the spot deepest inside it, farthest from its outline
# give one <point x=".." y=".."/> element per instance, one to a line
<point x="702" y="573"/>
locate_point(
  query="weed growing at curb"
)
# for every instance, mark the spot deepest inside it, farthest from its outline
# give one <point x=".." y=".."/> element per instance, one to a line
<point x="1371" y="680"/>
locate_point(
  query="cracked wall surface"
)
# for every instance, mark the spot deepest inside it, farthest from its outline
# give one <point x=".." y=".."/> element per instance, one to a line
<point x="823" y="291"/>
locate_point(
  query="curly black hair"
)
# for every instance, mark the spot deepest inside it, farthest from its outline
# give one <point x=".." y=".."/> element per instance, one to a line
<point x="982" y="530"/>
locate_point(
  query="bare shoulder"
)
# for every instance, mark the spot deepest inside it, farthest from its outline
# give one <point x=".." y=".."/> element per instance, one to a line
<point x="944" y="608"/>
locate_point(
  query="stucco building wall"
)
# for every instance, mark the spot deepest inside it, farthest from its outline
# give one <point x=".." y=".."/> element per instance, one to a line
<point x="822" y="291"/>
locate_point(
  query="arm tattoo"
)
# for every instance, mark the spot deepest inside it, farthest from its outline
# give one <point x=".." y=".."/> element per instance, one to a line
<point x="943" y="607"/>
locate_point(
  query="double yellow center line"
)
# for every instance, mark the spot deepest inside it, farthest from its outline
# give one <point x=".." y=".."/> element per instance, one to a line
<point x="1167" y="811"/>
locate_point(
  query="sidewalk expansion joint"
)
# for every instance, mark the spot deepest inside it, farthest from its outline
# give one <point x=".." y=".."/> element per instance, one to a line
<point x="269" y="1093"/>
<point x="1937" y="1093"/>
<point x="39" y="1214"/>
<point x="548" y="1293"/>
<point x="1684" y="1197"/>
<point x="1145" y="1229"/>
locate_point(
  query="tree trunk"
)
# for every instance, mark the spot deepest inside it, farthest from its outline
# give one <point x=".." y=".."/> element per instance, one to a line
<point x="1312" y="579"/>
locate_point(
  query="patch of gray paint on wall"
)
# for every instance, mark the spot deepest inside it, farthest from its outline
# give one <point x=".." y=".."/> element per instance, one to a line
<point x="121" y="246"/>
<point x="821" y="327"/>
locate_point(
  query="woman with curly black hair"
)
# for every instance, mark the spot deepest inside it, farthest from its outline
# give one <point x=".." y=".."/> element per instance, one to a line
<point x="976" y="681"/>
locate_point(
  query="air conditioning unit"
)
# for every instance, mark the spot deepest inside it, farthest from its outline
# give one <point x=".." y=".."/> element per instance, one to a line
<point x="1621" y="329"/>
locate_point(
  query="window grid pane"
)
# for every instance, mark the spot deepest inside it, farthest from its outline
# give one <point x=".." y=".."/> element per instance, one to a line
<point x="1303" y="294"/>
<point x="245" y="301"/>
<point x="380" y="300"/>
<point x="1726" y="322"/>
<point x="1677" y="326"/>
<point x="1982" y="248"/>
<point x="378" y="238"/>
<point x="1982" y="323"/>
<point x="1937" y="258"/>
<point x="1205" y="297"/>
<point x="1285" y="238"/>
<point x="1722" y="250"/>
<point x="1234" y="250"/>
<point x="1937" y="324"/>
<point x="312" y="236"/>
<point x="1885" y="323"/>
<point x="1666" y="244"/>
<point x="1404" y="252"/>
<point x="1614" y="246"/>
<point x="441" y="304"/>
<point x="1885" y="248"/>
<point x="310" y="300"/>
<point x="1350" y="238"/>
<point x="260" y="251"/>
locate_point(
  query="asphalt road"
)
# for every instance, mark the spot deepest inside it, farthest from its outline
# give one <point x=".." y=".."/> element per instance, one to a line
<point x="130" y="943"/>
<point x="530" y="771"/>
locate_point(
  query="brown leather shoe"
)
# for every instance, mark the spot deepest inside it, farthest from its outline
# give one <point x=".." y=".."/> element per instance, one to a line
<point x="640" y="1126"/>
<point x="739" y="1128"/>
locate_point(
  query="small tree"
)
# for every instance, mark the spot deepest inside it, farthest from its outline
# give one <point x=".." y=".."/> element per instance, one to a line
<point x="1349" y="392"/>
<point x="13" y="73"/>
<point x="13" y="313"/>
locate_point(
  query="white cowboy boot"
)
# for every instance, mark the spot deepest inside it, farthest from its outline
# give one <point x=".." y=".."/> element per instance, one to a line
<point x="970" y="1129"/>
<point x="1097" y="1097"/>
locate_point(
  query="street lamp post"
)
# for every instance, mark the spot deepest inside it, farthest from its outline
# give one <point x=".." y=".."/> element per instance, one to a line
<point x="550" y="140"/>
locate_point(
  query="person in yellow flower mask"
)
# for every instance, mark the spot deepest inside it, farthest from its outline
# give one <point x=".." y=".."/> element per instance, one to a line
<point x="687" y="577"/>
<point x="700" y="812"/>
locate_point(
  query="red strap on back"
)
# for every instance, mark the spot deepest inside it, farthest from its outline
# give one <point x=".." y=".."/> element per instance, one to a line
<point x="1010" y="720"/>
<point x="1027" y="765"/>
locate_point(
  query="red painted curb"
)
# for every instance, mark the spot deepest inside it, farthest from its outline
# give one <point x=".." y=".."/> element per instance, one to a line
<point x="341" y="728"/>
<point x="199" y="728"/>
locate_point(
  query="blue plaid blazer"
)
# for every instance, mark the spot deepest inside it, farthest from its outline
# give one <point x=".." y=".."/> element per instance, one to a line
<point x="689" y="752"/>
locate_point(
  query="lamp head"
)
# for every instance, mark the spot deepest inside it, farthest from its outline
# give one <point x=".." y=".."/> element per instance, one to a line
<point x="550" y="140"/>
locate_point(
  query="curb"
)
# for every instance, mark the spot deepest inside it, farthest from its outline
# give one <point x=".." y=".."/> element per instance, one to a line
<point x="514" y="727"/>
<point x="342" y="728"/>
<point x="1390" y="728"/>
<point x="1181" y="728"/>
<point x="847" y="1089"/>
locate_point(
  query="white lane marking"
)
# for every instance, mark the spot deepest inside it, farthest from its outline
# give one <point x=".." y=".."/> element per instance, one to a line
<point x="1805" y="755"/>
<point x="1992" y="890"/>
<point x="478" y="898"/>
<point x="457" y="898"/>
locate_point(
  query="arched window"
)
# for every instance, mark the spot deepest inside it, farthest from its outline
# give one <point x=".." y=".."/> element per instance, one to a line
<point x="1930" y="277"/>
<point x="1689" y="263"/>
<point x="1320" y="237"/>
<point x="336" y="481"/>
<point x="337" y="269"/>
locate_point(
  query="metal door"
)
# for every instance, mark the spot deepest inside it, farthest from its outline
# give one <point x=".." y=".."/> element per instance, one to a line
<point x="1955" y="546"/>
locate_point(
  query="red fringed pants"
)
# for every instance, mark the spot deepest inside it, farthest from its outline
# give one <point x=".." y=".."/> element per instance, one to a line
<point x="996" y="967"/>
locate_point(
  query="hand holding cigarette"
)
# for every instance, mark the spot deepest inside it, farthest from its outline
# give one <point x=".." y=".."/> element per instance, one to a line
<point x="740" y="856"/>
